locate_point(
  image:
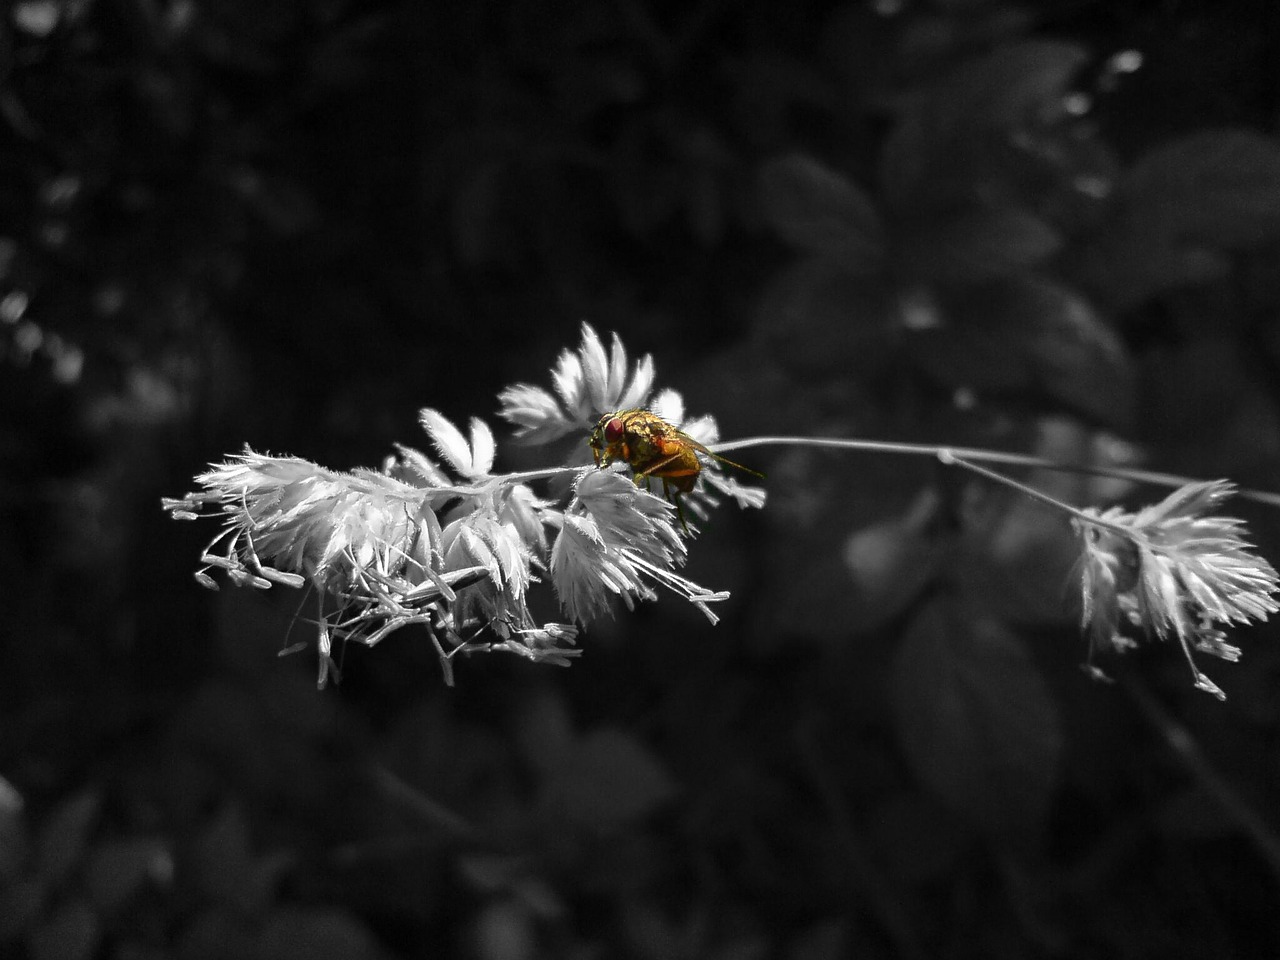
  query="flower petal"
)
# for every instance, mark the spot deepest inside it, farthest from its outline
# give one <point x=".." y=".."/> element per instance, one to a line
<point x="595" y="371"/>
<point x="448" y="440"/>
<point x="669" y="405"/>
<point x="535" y="412"/>
<point x="617" y="371"/>
<point x="421" y="466"/>
<point x="637" y="391"/>
<point x="483" y="448"/>
<point x="570" y="384"/>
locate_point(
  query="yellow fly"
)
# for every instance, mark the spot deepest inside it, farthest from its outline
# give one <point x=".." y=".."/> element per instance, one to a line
<point x="653" y="448"/>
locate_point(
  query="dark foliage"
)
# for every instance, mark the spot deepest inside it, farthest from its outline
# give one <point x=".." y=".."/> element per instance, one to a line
<point x="1038" y="225"/>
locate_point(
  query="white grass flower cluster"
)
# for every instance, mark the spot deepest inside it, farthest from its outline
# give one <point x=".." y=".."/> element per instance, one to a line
<point x="1173" y="571"/>
<point x="446" y="544"/>
<point x="588" y="383"/>
<point x="616" y="539"/>
<point x="592" y="381"/>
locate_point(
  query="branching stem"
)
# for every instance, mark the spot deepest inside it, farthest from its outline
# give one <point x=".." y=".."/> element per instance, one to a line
<point x="979" y="454"/>
<point x="949" y="458"/>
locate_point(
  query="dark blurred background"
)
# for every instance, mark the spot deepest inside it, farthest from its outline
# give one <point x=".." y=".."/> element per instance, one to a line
<point x="1050" y="226"/>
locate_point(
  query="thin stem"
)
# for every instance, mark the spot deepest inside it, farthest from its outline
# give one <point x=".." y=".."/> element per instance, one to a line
<point x="415" y="801"/>
<point x="986" y="456"/>
<point x="538" y="474"/>
<point x="485" y="486"/>
<point x="1216" y="786"/>
<point x="948" y="457"/>
<point x="876" y="890"/>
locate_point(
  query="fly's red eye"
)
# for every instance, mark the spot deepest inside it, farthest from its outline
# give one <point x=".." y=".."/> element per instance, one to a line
<point x="613" y="430"/>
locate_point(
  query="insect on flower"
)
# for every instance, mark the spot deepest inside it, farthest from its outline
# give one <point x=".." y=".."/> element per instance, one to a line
<point x="653" y="448"/>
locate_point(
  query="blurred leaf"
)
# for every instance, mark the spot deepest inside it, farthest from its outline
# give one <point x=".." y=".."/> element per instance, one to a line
<point x="344" y="55"/>
<point x="960" y="25"/>
<point x="977" y="721"/>
<point x="214" y="935"/>
<point x="21" y="902"/>
<point x="704" y="204"/>
<point x="743" y="947"/>
<point x="1074" y="356"/>
<point x="490" y="873"/>
<point x="1126" y="267"/>
<point x="71" y="933"/>
<point x="224" y="868"/>
<point x="827" y="940"/>
<point x="14" y="842"/>
<point x="237" y="44"/>
<point x="1193" y="813"/>
<point x="769" y="83"/>
<point x="1178" y="208"/>
<point x="1228" y="423"/>
<point x="588" y="84"/>
<point x="1031" y="337"/>
<point x="505" y="931"/>
<point x="284" y="205"/>
<point x="1017" y="561"/>
<point x="892" y="561"/>
<point x="540" y="897"/>
<point x="298" y="933"/>
<point x="1004" y="89"/>
<point x="64" y="836"/>
<point x="652" y="935"/>
<point x="608" y="780"/>
<point x="563" y="33"/>
<point x="116" y="869"/>
<point x="815" y="316"/>
<point x="916" y="838"/>
<point x="819" y="595"/>
<point x="544" y="730"/>
<point x="38" y="18"/>
<point x="819" y="211"/>
<point x="220" y="860"/>
<point x="1220" y="187"/>
<point x="975" y="246"/>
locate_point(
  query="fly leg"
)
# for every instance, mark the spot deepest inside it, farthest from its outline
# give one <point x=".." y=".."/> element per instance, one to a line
<point x="653" y="468"/>
<point x="666" y="492"/>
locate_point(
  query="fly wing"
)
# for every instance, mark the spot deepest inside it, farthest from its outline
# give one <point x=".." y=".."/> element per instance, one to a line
<point x="701" y="448"/>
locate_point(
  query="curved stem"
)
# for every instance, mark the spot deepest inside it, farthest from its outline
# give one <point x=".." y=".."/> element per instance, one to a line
<point x="1216" y="786"/>
<point x="539" y="474"/>
<point x="979" y="454"/>
<point x="948" y="457"/>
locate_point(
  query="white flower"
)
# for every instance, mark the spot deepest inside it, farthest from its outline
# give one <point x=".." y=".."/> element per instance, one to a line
<point x="616" y="539"/>
<point x="592" y="382"/>
<point x="472" y="460"/>
<point x="589" y="382"/>
<point x="1171" y="570"/>
<point x="543" y="644"/>
<point x="443" y="543"/>
<point x="287" y="517"/>
<point x="524" y="511"/>
<point x="375" y="544"/>
<point x="585" y="573"/>
<point x="480" y="540"/>
<point x="628" y="517"/>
